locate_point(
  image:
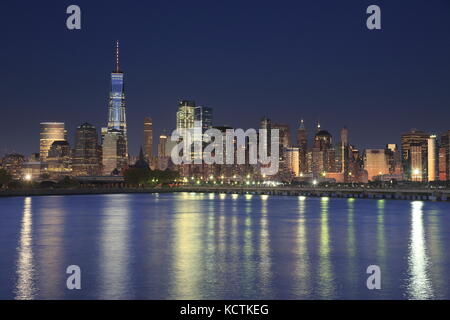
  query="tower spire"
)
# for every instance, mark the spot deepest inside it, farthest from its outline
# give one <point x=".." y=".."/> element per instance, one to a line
<point x="302" y="124"/>
<point x="117" y="56"/>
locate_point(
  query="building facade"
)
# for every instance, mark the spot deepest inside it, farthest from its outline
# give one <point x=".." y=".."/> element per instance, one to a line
<point x="50" y="132"/>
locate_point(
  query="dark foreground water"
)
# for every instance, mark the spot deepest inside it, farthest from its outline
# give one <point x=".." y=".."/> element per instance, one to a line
<point x="206" y="246"/>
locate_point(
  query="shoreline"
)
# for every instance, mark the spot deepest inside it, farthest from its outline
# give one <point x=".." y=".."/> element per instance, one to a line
<point x="358" y="193"/>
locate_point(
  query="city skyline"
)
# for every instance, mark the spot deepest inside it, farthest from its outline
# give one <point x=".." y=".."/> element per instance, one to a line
<point x="350" y="77"/>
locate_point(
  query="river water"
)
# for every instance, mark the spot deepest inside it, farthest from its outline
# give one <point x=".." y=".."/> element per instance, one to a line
<point x="211" y="246"/>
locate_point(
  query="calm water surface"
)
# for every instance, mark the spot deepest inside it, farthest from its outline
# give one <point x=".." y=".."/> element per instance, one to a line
<point x="209" y="246"/>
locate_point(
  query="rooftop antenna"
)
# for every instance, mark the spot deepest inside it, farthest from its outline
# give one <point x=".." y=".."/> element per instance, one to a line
<point x="117" y="56"/>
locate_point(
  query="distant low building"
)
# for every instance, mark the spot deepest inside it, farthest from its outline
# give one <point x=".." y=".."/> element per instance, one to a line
<point x="13" y="164"/>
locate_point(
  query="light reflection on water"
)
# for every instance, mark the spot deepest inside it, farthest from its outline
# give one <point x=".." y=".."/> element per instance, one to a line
<point x="210" y="246"/>
<point x="25" y="288"/>
<point x="419" y="284"/>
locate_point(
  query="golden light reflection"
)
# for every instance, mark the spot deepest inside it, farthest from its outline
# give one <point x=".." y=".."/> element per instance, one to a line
<point x="115" y="239"/>
<point x="326" y="286"/>
<point x="188" y="249"/>
<point x="302" y="271"/>
<point x="264" y="248"/>
<point x="419" y="285"/>
<point x="50" y="247"/>
<point x="25" y="286"/>
<point x="381" y="246"/>
<point x="351" y="242"/>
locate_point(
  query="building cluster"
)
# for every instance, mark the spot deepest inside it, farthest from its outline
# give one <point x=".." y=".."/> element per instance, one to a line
<point x="422" y="157"/>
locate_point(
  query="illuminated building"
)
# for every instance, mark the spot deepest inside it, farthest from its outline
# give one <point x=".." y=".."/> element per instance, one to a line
<point x="284" y="143"/>
<point x="117" y="116"/>
<point x="50" y="132"/>
<point x="203" y="117"/>
<point x="343" y="156"/>
<point x="432" y="158"/>
<point x="411" y="167"/>
<point x="114" y="137"/>
<point x="202" y="122"/>
<point x="266" y="124"/>
<point x="323" y="154"/>
<point x="113" y="150"/>
<point x="375" y="163"/>
<point x="148" y="139"/>
<point x="59" y="160"/>
<point x="185" y="115"/>
<point x="416" y="159"/>
<point x="86" y="156"/>
<point x="443" y="161"/>
<point x="13" y="164"/>
<point x="445" y="158"/>
<point x="293" y="160"/>
<point x="394" y="160"/>
<point x="302" y="143"/>
<point x="162" y="146"/>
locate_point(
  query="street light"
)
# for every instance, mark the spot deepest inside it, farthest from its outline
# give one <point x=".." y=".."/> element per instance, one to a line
<point x="28" y="177"/>
<point x="314" y="182"/>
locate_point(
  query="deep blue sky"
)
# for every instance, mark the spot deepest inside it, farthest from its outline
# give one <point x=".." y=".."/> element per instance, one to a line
<point x="245" y="59"/>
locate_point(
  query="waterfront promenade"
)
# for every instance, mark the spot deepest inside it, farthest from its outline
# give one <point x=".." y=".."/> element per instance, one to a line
<point x="357" y="192"/>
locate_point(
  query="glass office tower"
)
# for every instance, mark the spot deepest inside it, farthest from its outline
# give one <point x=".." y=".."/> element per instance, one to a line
<point x="117" y="115"/>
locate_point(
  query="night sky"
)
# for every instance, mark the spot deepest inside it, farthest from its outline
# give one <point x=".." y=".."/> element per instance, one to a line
<point x="245" y="59"/>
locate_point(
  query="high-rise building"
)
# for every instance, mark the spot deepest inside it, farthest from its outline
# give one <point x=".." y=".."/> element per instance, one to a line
<point x="113" y="150"/>
<point x="185" y="115"/>
<point x="203" y="117"/>
<point x="414" y="166"/>
<point x="417" y="162"/>
<point x="117" y="114"/>
<point x="343" y="154"/>
<point x="445" y="164"/>
<point x="432" y="158"/>
<point x="50" y="132"/>
<point x="115" y="157"/>
<point x="302" y="143"/>
<point x="323" y="154"/>
<point x="148" y="139"/>
<point x="376" y="163"/>
<point x="86" y="155"/>
<point x="59" y="160"/>
<point x="394" y="160"/>
<point x="292" y="160"/>
<point x="162" y="146"/>
<point x="266" y="124"/>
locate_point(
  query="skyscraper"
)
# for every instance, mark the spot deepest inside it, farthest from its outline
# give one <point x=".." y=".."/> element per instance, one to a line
<point x="417" y="140"/>
<point x="86" y="157"/>
<point x="432" y="158"/>
<point x="185" y="115"/>
<point x="302" y="143"/>
<point x="444" y="159"/>
<point x="376" y="163"/>
<point x="203" y="116"/>
<point x="113" y="149"/>
<point x="148" y="139"/>
<point x="323" y="154"/>
<point x="117" y="115"/>
<point x="59" y="160"/>
<point x="50" y="132"/>
<point x="115" y="156"/>
<point x="292" y="160"/>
